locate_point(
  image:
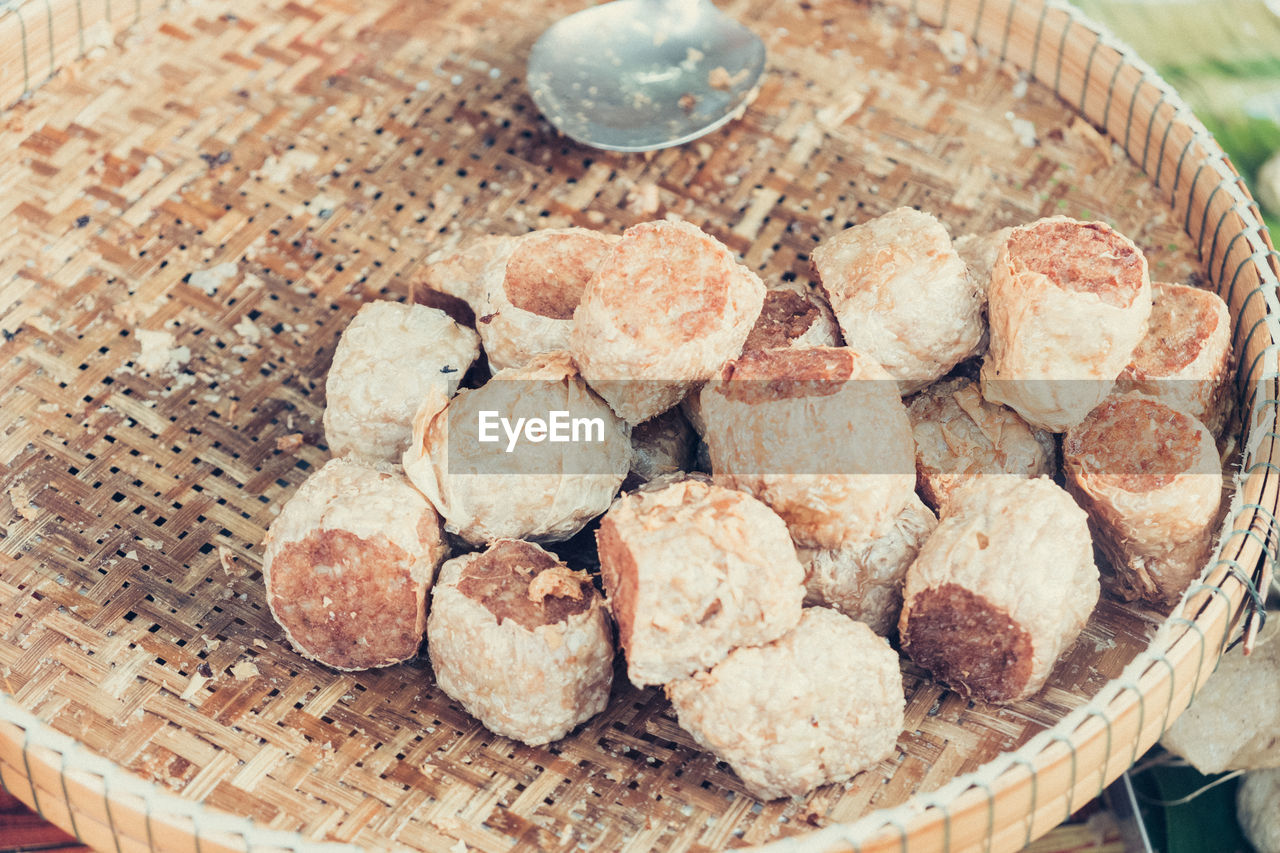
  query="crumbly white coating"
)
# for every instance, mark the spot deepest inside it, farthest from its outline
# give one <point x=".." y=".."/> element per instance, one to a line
<point x="864" y="580"/>
<point x="1055" y="352"/>
<point x="1246" y="692"/>
<point x="511" y="334"/>
<point x="1184" y="359"/>
<point x="902" y="295"/>
<point x="1022" y="546"/>
<point x="378" y="507"/>
<point x="461" y="273"/>
<point x="692" y="571"/>
<point x="1157" y="535"/>
<point x="480" y="489"/>
<point x="818" y="705"/>
<point x="838" y="467"/>
<point x="1258" y="808"/>
<point x="386" y="360"/>
<point x="959" y="435"/>
<point x="662" y="313"/>
<point x="979" y="251"/>
<point x="532" y="685"/>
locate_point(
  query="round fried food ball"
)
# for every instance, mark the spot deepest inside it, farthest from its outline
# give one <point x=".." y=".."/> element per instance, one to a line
<point x="692" y="571"/>
<point x="388" y="358"/>
<point x="532" y="454"/>
<point x="521" y="640"/>
<point x="817" y="705"/>
<point x="820" y="435"/>
<point x="666" y="307"/>
<point x="348" y="563"/>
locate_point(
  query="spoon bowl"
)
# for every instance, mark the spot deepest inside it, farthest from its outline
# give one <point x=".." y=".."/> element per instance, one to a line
<point x="638" y="75"/>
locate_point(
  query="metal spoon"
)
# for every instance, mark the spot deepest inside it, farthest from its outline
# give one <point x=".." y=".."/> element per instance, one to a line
<point x="635" y="75"/>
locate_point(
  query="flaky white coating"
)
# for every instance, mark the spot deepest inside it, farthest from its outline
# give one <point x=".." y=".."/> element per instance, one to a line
<point x="818" y="434"/>
<point x="663" y="311"/>
<point x="1258" y="808"/>
<point x="387" y="359"/>
<point x="693" y="570"/>
<point x="532" y="684"/>
<point x="864" y="580"/>
<point x="817" y="705"/>
<point x="959" y="436"/>
<point x="1001" y="588"/>
<point x="347" y="565"/>
<point x="460" y="273"/>
<point x="979" y="251"/>
<point x="542" y="491"/>
<point x="1067" y="306"/>
<point x="902" y="295"/>
<point x="1150" y="478"/>
<point x="1184" y="358"/>
<point x="529" y="289"/>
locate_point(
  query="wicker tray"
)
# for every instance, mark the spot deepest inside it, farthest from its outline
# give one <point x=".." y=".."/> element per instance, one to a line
<point x="241" y="179"/>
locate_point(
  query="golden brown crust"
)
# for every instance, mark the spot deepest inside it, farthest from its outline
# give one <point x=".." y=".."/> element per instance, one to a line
<point x="1184" y="358"/>
<point x="347" y="565"/>
<point x="1150" y="478"/>
<point x="968" y="643"/>
<point x="333" y="621"/>
<point x="519" y="581"/>
<point x="785" y="374"/>
<point x="793" y="315"/>
<point x="1083" y="257"/>
<point x="547" y="276"/>
<point x="663" y="311"/>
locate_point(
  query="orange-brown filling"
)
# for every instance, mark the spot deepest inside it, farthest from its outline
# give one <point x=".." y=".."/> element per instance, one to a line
<point x="786" y="315"/>
<point x="547" y="274"/>
<point x="784" y="374"/>
<point x="1082" y="257"/>
<point x="1139" y="445"/>
<point x="500" y="579"/>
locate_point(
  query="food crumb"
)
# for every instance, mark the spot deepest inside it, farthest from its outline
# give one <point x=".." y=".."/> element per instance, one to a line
<point x="230" y="562"/>
<point x="643" y="199"/>
<point x="687" y="101"/>
<point x="719" y="78"/>
<point x="289" y="443"/>
<point x="158" y="353"/>
<point x="20" y="495"/>
<point x="245" y="670"/>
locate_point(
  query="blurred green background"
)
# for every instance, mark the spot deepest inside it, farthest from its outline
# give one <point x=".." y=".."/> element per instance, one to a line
<point x="1223" y="56"/>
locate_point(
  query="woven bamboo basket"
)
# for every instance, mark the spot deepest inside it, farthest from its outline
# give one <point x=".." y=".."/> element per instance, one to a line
<point x="199" y="199"/>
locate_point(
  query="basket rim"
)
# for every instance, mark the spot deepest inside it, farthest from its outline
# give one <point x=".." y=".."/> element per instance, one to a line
<point x="1202" y="623"/>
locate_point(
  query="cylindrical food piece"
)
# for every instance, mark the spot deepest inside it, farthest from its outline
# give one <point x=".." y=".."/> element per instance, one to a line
<point x="388" y="358"/>
<point x="1258" y="808"/>
<point x="819" y="434"/>
<point x="531" y="454"/>
<point x="1150" y="478"/>
<point x="529" y="291"/>
<point x="793" y="316"/>
<point x="1067" y="306"/>
<point x="817" y="705"/>
<point x="1001" y="588"/>
<point x="864" y="580"/>
<point x="460" y="273"/>
<point x="979" y="251"/>
<point x="664" y="310"/>
<point x="693" y="571"/>
<point x="347" y="565"/>
<point x="960" y="436"/>
<point x="902" y="295"/>
<point x="661" y="446"/>
<point x="1184" y="357"/>
<point x="522" y="641"/>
